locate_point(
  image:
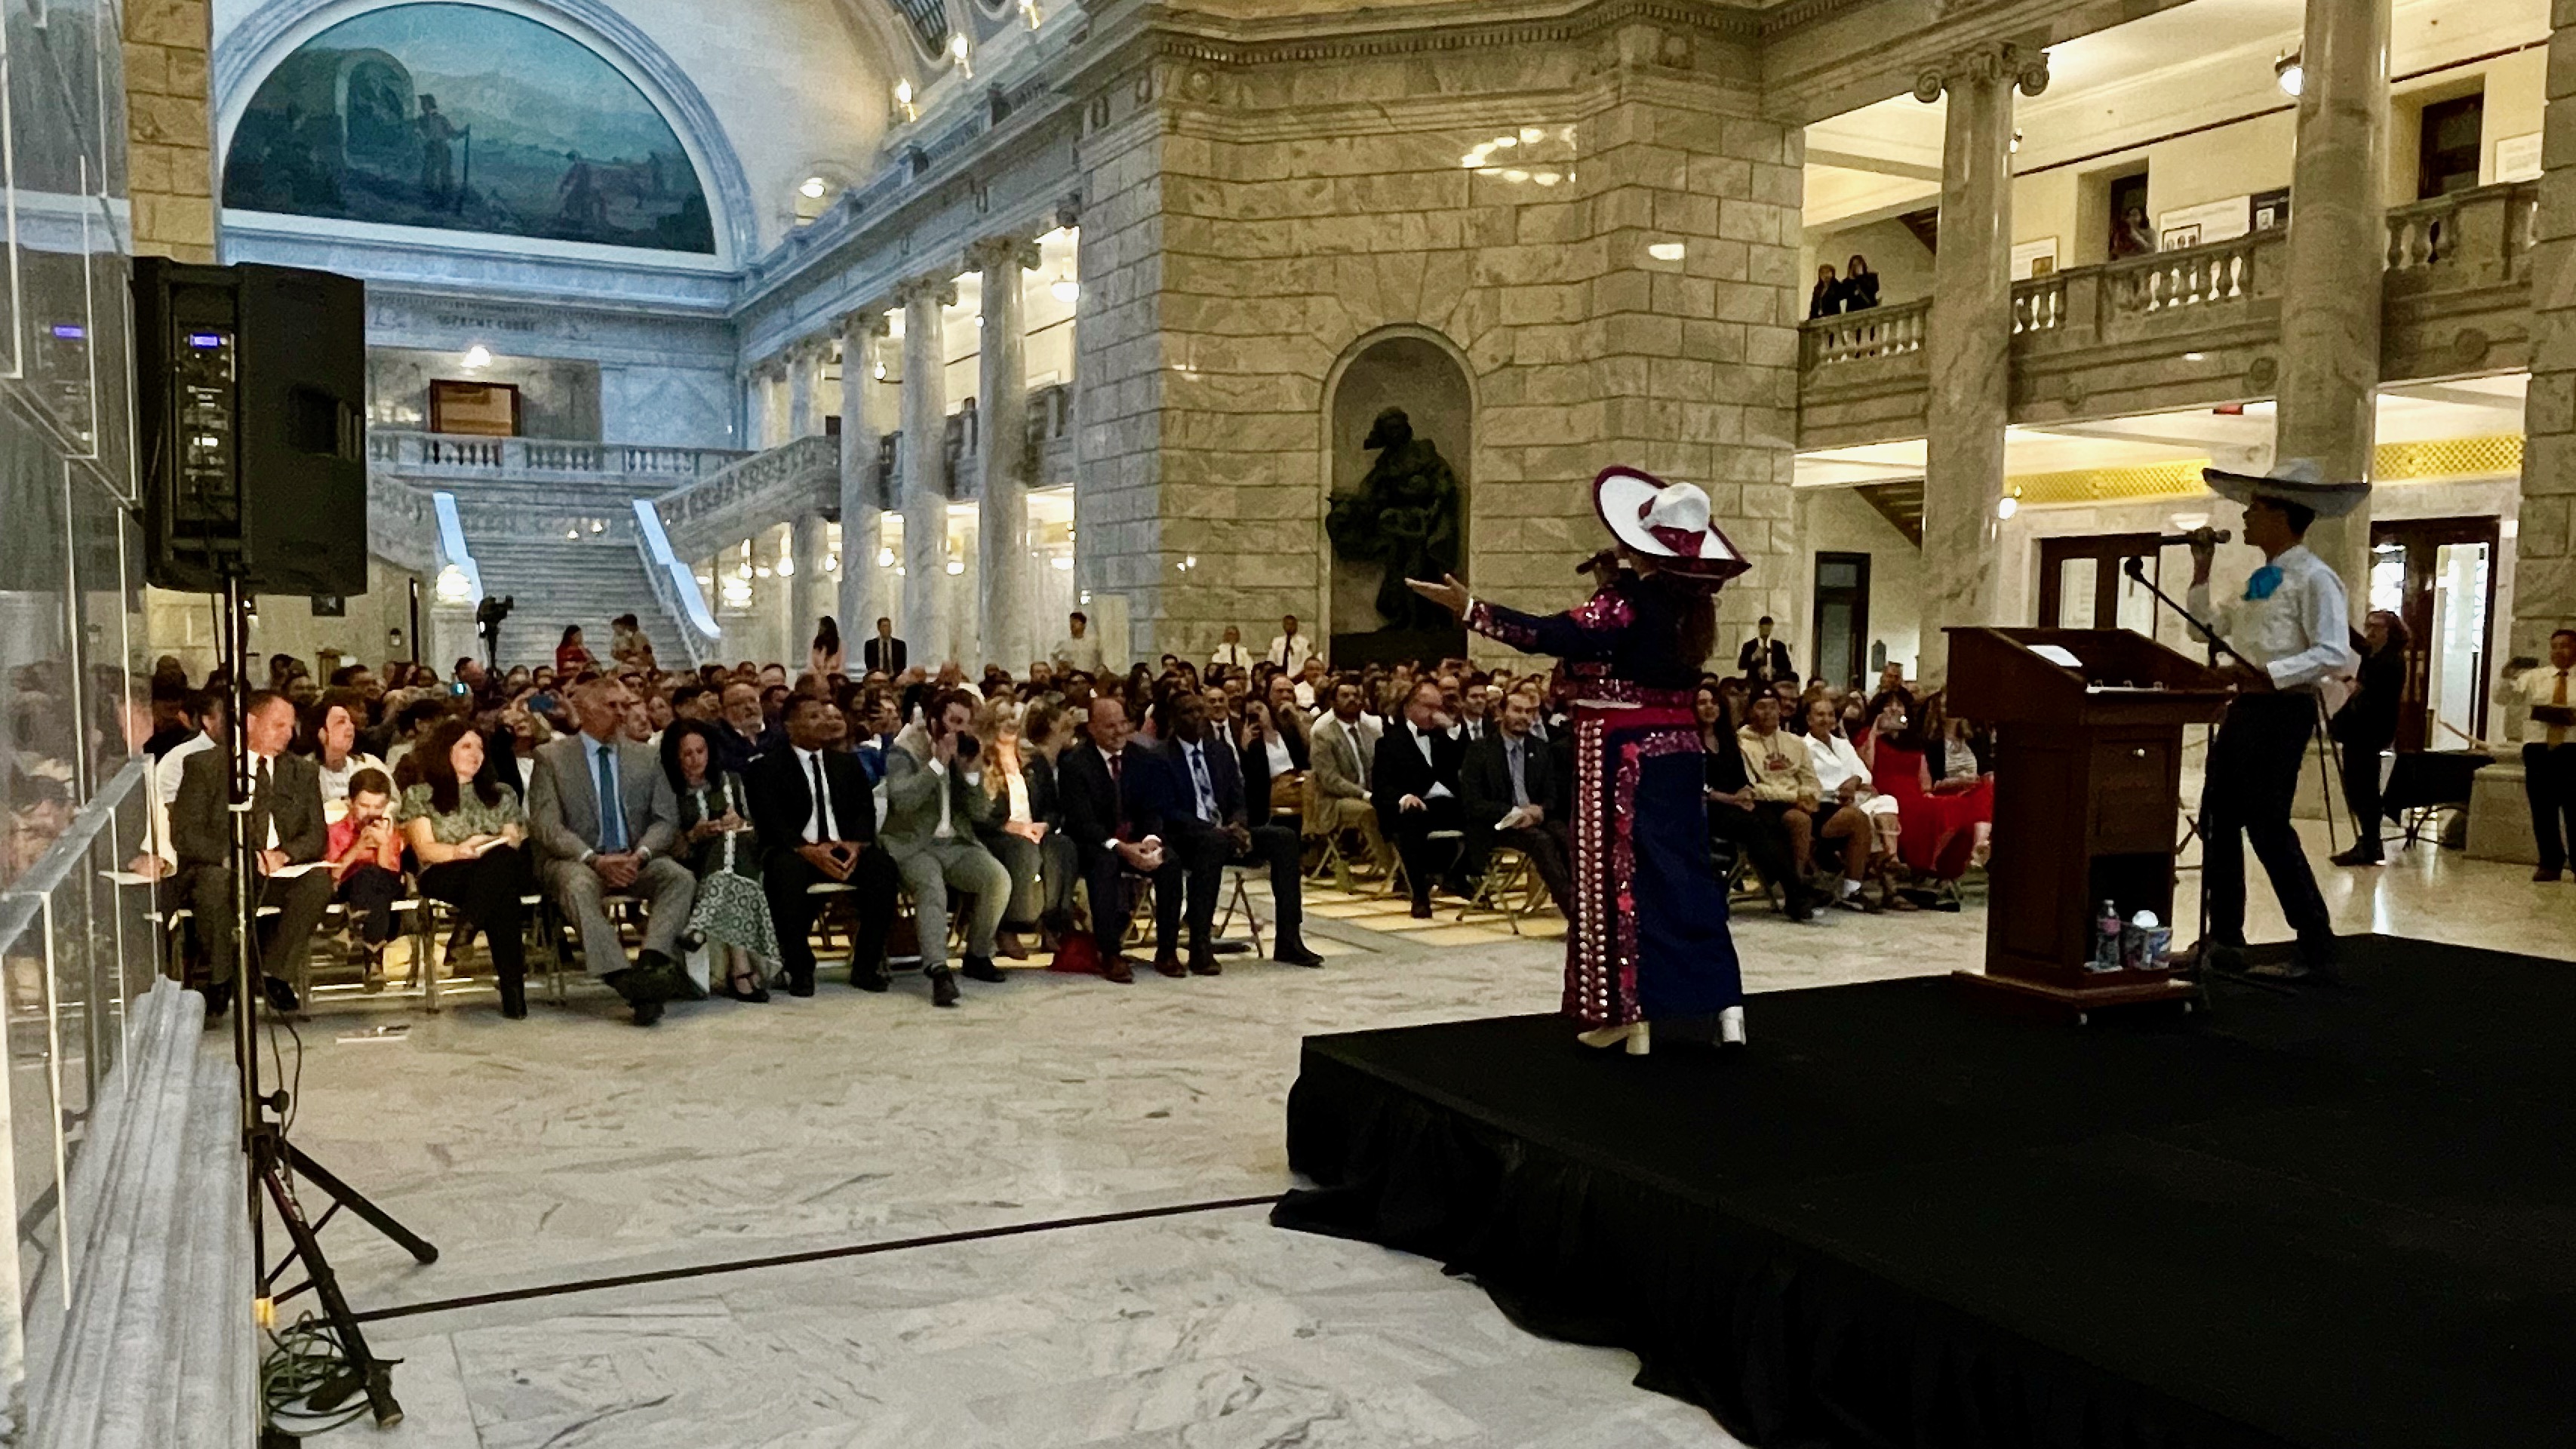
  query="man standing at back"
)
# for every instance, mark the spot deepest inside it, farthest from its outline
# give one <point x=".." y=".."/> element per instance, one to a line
<point x="883" y="653"/>
<point x="1290" y="649"/>
<point x="605" y="819"/>
<point x="1078" y="649"/>
<point x="2549" y="752"/>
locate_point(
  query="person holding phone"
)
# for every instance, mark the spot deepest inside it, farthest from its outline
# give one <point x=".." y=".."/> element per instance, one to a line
<point x="365" y="853"/>
<point x="935" y="801"/>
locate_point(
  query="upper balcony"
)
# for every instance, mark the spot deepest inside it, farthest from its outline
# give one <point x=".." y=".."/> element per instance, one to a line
<point x="2194" y="327"/>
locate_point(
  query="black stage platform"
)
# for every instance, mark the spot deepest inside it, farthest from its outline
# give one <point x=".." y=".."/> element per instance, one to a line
<point x="1907" y="1218"/>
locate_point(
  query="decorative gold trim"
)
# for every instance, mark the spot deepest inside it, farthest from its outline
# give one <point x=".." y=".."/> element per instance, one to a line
<point x="2497" y="455"/>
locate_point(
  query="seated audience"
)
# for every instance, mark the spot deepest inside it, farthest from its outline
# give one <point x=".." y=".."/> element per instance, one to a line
<point x="1212" y="829"/>
<point x="286" y="832"/>
<point x="817" y="824"/>
<point x="331" y="737"/>
<point x="1785" y="784"/>
<point x="1112" y="809"/>
<point x="1343" y="753"/>
<point x="469" y="836"/>
<point x="730" y="917"/>
<point x="605" y="823"/>
<point x="1506" y="782"/>
<point x="365" y="850"/>
<point x="1734" y="814"/>
<point x="1844" y="778"/>
<point x="1025" y="829"/>
<point x="1937" y="834"/>
<point x="1414" y="787"/>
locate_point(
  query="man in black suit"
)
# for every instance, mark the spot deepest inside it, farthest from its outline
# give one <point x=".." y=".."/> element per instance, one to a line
<point x="883" y="653"/>
<point x="1764" y="659"/>
<point x="1414" y="786"/>
<point x="809" y="842"/>
<point x="1507" y="781"/>
<point x="286" y="830"/>
<point x="2366" y="727"/>
<point x="1209" y="830"/>
<point x="1112" y="809"/>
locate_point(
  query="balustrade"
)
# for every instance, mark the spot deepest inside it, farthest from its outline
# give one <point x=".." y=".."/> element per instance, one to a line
<point x="464" y="455"/>
<point x="1888" y="331"/>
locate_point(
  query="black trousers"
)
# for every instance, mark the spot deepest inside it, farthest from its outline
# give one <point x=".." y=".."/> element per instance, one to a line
<point x="2549" y="781"/>
<point x="1544" y="844"/>
<point x="1104" y="879"/>
<point x="2253" y="776"/>
<point x="369" y="892"/>
<point x="1763" y="840"/>
<point x="1424" y="858"/>
<point x="785" y="875"/>
<point x="286" y="938"/>
<point x="485" y="891"/>
<point x="2361" y="792"/>
<point x="1206" y="851"/>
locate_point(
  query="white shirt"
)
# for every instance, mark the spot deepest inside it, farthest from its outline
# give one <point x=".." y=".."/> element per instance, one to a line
<point x="165" y="775"/>
<point x="1082" y="653"/>
<point x="1305" y="695"/>
<point x="1281" y="762"/>
<point x="335" y="783"/>
<point x="2300" y="635"/>
<point x="1289" y="651"/>
<point x="818" y="821"/>
<point x="1422" y="741"/>
<point x="1835" y="761"/>
<point x="1232" y="656"/>
<point x="270" y="761"/>
<point x="2537" y="687"/>
<point x="1018" y="786"/>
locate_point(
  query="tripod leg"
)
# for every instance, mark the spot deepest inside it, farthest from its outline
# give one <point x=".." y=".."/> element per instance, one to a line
<point x="421" y="1249"/>
<point x="335" y="1307"/>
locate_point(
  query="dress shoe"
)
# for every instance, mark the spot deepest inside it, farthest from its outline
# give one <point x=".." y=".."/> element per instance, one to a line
<point x="1117" y="970"/>
<point x="648" y="1011"/>
<point x="757" y="992"/>
<point x="1009" y="944"/>
<point x="1203" y="963"/>
<point x="943" y="986"/>
<point x="2212" y="955"/>
<point x="219" y="999"/>
<point x="2545" y="873"/>
<point x="514" y="998"/>
<point x="2358" y="856"/>
<point x="281" y="997"/>
<point x="674" y="980"/>
<point x="871" y="977"/>
<point x="1292" y="952"/>
<point x="1422" y="909"/>
<point x="1167" y="964"/>
<point x="981" y="968"/>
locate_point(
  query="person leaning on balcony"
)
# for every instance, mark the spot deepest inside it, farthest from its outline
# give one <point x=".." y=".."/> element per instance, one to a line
<point x="1860" y="285"/>
<point x="1826" y="297"/>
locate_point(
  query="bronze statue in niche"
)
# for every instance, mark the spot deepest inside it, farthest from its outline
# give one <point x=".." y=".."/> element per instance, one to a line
<point x="1404" y="517"/>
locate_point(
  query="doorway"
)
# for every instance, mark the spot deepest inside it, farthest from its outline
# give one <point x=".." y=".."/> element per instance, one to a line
<point x="2438" y="575"/>
<point x="1842" y="618"/>
<point x="2084" y="583"/>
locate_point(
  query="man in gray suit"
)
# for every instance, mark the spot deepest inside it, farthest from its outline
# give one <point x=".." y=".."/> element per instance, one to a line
<point x="935" y="798"/>
<point x="285" y="830"/>
<point x="588" y="853"/>
<point x="1344" y="749"/>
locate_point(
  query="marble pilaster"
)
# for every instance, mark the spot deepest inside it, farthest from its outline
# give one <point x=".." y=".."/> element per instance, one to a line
<point x="862" y="333"/>
<point x="809" y="588"/>
<point x="2332" y="266"/>
<point x="1002" y="530"/>
<point x="1969" y="340"/>
<point x="801" y="367"/>
<point x="921" y="620"/>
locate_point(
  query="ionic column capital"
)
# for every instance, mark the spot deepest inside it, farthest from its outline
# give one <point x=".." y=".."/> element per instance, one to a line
<point x="861" y="325"/>
<point x="1988" y="62"/>
<point x="939" y="290"/>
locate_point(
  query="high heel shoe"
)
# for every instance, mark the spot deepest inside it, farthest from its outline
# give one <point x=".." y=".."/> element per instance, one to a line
<point x="1634" y="1034"/>
<point x="1730" y="1026"/>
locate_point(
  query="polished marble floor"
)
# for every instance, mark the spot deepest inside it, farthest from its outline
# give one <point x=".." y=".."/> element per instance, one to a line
<point x="573" y="1146"/>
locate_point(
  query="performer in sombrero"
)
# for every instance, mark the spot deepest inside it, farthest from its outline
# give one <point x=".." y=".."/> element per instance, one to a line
<point x="1647" y="938"/>
<point x="2293" y="631"/>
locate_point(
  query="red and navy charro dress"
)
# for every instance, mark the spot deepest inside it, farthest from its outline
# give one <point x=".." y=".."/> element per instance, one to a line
<point x="1647" y="935"/>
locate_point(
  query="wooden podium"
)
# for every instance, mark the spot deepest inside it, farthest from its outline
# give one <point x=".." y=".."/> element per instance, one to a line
<point x="2088" y="781"/>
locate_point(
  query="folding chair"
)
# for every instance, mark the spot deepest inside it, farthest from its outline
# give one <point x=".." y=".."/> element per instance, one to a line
<point x="1237" y="895"/>
<point x="1509" y="887"/>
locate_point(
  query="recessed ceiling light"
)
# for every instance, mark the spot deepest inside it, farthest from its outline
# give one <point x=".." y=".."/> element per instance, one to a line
<point x="813" y="188"/>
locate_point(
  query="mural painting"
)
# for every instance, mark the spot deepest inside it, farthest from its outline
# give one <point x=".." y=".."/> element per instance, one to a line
<point x="465" y="119"/>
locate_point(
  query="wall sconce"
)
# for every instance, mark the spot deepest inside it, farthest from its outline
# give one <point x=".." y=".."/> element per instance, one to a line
<point x="2290" y="73"/>
<point x="903" y="100"/>
<point x="885" y="558"/>
<point x="956" y="566"/>
<point x="1029" y="13"/>
<point x="478" y="356"/>
<point x="962" y="54"/>
<point x="2009" y="504"/>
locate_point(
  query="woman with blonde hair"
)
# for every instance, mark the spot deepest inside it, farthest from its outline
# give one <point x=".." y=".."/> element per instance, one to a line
<point x="1026" y="832"/>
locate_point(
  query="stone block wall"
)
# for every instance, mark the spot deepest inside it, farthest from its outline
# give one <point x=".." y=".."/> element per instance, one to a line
<point x="2545" y="545"/>
<point x="1296" y="211"/>
<point x="169" y="129"/>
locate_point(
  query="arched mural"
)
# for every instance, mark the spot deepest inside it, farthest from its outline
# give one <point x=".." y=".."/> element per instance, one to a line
<point x="465" y="118"/>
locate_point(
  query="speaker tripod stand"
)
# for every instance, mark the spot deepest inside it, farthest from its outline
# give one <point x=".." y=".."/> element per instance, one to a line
<point x="275" y="1163"/>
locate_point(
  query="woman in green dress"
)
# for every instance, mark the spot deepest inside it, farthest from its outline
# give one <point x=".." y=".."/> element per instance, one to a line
<point x="732" y="915"/>
<point x="470" y="837"/>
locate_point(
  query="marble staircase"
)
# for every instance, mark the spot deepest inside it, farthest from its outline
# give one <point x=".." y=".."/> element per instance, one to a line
<point x="585" y="580"/>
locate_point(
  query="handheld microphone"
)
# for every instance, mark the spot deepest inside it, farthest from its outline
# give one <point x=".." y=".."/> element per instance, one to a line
<point x="2196" y="536"/>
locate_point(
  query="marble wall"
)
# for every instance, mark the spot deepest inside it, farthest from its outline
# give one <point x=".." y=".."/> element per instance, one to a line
<point x="1246" y="224"/>
<point x="559" y="397"/>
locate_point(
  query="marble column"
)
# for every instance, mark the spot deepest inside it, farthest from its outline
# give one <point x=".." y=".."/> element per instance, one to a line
<point x="801" y="422"/>
<point x="2544" y="561"/>
<point x="1969" y="338"/>
<point x="1002" y="519"/>
<point x="2331" y="269"/>
<point x="861" y="498"/>
<point x="809" y="588"/>
<point x="921" y="621"/>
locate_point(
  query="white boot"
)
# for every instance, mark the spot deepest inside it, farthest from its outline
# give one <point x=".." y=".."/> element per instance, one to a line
<point x="1730" y="1026"/>
<point x="1634" y="1035"/>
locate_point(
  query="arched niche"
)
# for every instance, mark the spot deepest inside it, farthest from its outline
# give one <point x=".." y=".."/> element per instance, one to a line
<point x="1423" y="375"/>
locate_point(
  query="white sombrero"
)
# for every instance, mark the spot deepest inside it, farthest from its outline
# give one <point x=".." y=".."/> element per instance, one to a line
<point x="1666" y="522"/>
<point x="2297" y="480"/>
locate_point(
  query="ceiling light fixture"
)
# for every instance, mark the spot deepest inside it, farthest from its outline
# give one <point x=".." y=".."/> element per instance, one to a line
<point x="478" y="355"/>
<point x="812" y="188"/>
<point x="1665" y="251"/>
<point x="2292" y="75"/>
<point x="960" y="52"/>
<point x="1065" y="289"/>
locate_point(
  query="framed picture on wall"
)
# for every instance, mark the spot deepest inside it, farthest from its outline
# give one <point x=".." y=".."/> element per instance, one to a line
<point x="2036" y="258"/>
<point x="482" y="409"/>
<point x="2517" y="158"/>
<point x="2270" y="209"/>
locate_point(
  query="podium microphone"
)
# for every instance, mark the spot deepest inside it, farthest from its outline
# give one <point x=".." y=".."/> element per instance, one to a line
<point x="2196" y="536"/>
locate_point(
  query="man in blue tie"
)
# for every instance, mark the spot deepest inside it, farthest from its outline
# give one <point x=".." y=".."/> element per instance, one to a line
<point x="605" y="821"/>
<point x="1208" y="830"/>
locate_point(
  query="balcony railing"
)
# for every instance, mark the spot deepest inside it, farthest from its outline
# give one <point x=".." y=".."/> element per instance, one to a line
<point x="465" y="456"/>
<point x="804" y="472"/>
<point x="2190" y="326"/>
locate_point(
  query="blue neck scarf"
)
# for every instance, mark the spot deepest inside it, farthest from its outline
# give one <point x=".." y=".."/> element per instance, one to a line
<point x="2265" y="580"/>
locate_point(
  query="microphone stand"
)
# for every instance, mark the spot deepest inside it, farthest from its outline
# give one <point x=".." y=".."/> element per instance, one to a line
<point x="2136" y="568"/>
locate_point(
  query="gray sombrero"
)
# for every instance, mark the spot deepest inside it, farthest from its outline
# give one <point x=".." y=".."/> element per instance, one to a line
<point x="2296" y="480"/>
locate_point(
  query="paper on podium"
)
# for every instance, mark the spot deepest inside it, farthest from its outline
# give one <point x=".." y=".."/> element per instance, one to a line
<point x="2056" y="654"/>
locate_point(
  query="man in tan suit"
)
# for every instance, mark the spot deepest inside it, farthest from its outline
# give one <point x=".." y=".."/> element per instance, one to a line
<point x="1344" y="756"/>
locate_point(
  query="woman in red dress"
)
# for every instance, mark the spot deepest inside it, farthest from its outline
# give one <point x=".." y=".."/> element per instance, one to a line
<point x="1938" y="810"/>
<point x="572" y="656"/>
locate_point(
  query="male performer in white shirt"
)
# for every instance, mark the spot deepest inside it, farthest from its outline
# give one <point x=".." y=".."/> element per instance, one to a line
<point x="2549" y="752"/>
<point x="2293" y="630"/>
